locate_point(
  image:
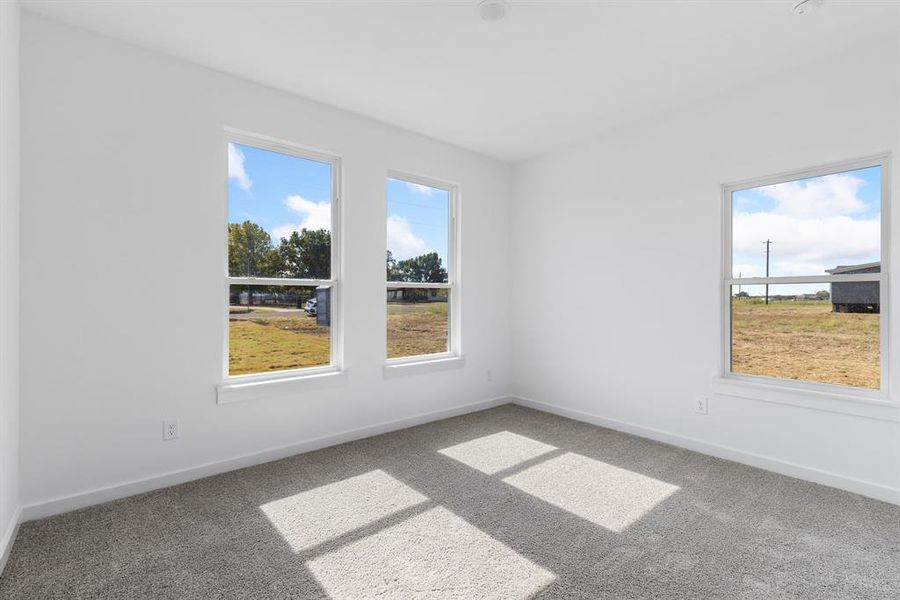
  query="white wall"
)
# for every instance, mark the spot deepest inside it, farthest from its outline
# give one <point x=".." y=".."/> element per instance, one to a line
<point x="123" y="187"/>
<point x="9" y="272"/>
<point x="124" y="184"/>
<point x="611" y="224"/>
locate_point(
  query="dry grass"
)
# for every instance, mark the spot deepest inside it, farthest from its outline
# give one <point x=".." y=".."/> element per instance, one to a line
<point x="268" y="342"/>
<point x="804" y="340"/>
<point x="414" y="329"/>
<point x="262" y="340"/>
<point x="795" y="340"/>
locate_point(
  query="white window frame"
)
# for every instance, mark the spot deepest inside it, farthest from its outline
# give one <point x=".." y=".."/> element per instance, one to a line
<point x="452" y="286"/>
<point x="335" y="365"/>
<point x="728" y="280"/>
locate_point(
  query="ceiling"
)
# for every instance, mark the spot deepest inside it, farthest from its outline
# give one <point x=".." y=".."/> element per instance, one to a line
<point x="551" y="73"/>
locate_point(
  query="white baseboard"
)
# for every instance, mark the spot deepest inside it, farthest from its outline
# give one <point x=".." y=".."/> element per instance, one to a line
<point x="55" y="506"/>
<point x="63" y="504"/>
<point x="858" y="486"/>
<point x="9" y="537"/>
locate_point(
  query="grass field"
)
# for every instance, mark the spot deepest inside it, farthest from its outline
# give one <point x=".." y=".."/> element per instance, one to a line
<point x="414" y="329"/>
<point x="804" y="340"/>
<point x="801" y="340"/>
<point x="263" y="339"/>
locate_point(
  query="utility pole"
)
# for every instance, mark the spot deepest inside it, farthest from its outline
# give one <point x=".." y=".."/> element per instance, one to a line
<point x="768" y="244"/>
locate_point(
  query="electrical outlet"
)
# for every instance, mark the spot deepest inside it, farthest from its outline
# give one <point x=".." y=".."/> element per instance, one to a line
<point x="700" y="407"/>
<point x="490" y="376"/>
<point x="170" y="430"/>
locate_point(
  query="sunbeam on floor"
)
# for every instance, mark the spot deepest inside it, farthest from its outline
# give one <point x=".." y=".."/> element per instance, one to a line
<point x="497" y="452"/>
<point x="435" y="554"/>
<point x="313" y="517"/>
<point x="605" y="495"/>
<point x="608" y="496"/>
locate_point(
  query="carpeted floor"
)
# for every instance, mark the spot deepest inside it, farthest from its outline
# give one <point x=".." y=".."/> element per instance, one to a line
<point x="507" y="503"/>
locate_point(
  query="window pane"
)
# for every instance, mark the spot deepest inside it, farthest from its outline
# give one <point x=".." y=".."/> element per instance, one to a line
<point x="418" y="322"/>
<point x="808" y="226"/>
<point x="801" y="334"/>
<point x="418" y="232"/>
<point x="279" y="215"/>
<point x="278" y="328"/>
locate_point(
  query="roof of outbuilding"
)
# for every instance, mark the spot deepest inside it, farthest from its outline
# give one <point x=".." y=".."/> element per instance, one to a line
<point x="844" y="269"/>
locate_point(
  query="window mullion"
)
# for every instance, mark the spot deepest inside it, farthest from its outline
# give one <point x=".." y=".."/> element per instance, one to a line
<point x="418" y="285"/>
<point x="280" y="281"/>
<point x="806" y="279"/>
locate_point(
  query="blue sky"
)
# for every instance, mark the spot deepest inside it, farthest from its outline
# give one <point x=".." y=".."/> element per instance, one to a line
<point x="814" y="224"/>
<point x="284" y="193"/>
<point x="418" y="219"/>
<point x="278" y="192"/>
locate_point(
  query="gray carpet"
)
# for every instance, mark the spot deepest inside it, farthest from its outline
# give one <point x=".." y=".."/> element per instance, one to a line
<point x="507" y="503"/>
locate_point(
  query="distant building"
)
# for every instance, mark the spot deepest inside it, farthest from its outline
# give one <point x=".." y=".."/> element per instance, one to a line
<point x="855" y="296"/>
<point x="416" y="295"/>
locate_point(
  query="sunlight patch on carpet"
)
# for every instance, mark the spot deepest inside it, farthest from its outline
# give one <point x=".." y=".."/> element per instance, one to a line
<point x="435" y="554"/>
<point x="608" y="496"/>
<point x="496" y="452"/>
<point x="315" y="516"/>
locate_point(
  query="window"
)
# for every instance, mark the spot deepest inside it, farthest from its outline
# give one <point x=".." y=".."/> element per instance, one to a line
<point x="806" y="276"/>
<point x="421" y="291"/>
<point x="282" y="248"/>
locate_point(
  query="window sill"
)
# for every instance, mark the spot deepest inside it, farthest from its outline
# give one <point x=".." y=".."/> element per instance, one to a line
<point x="268" y="388"/>
<point x="422" y="366"/>
<point x="872" y="405"/>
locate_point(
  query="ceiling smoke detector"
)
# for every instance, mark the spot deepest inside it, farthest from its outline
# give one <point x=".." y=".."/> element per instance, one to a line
<point x="805" y="6"/>
<point x="493" y="10"/>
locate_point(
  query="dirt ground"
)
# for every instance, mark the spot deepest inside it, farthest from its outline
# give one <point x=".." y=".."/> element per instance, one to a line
<point x="265" y="339"/>
<point x="804" y="340"/>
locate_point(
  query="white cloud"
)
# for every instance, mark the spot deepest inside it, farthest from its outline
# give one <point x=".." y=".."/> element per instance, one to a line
<point x="236" y="167"/>
<point x="401" y="241"/>
<point x="814" y="225"/>
<point x="283" y="231"/>
<point x="782" y="268"/>
<point x="420" y="189"/>
<point x="316" y="215"/>
<point x="803" y="246"/>
<point x="826" y="196"/>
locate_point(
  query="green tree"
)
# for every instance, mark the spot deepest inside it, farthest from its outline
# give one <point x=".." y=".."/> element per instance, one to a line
<point x="305" y="255"/>
<point x="426" y="268"/>
<point x="250" y="252"/>
<point x="392" y="273"/>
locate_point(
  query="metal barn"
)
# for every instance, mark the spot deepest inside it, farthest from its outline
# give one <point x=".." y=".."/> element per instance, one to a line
<point x="855" y="296"/>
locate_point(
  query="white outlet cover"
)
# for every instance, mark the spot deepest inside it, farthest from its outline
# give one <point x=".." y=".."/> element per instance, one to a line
<point x="702" y="406"/>
<point x="170" y="430"/>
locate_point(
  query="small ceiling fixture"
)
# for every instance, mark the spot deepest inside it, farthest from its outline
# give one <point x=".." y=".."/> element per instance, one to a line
<point x="805" y="6"/>
<point x="493" y="10"/>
